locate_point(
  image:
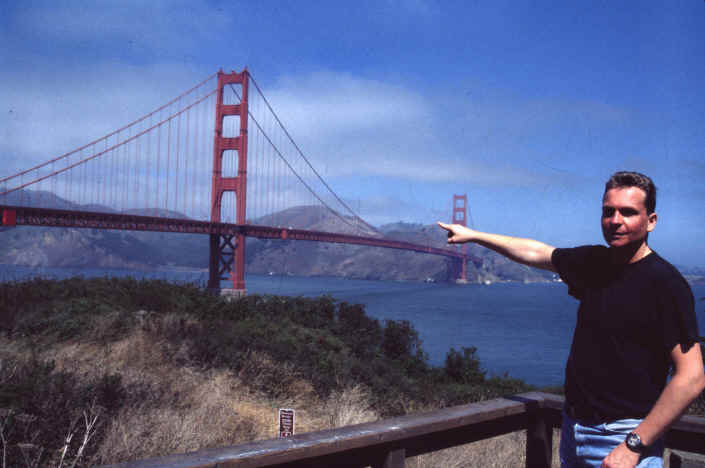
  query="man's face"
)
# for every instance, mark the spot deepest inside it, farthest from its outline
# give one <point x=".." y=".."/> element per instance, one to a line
<point x="624" y="218"/>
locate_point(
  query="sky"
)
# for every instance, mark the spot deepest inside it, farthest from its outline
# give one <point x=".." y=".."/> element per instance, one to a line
<point x="525" y="106"/>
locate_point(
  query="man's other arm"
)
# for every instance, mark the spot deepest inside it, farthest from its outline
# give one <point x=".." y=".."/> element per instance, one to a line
<point x="526" y="251"/>
<point x="687" y="383"/>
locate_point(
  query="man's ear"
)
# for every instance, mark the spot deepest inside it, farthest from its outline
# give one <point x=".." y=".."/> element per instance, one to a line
<point x="653" y="217"/>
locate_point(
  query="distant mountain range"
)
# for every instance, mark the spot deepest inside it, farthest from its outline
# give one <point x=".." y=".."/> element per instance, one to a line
<point x="90" y="248"/>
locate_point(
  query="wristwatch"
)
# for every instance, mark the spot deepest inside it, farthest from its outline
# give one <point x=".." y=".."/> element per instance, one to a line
<point x="634" y="444"/>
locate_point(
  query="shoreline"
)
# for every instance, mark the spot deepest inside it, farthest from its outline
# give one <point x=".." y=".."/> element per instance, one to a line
<point x="692" y="279"/>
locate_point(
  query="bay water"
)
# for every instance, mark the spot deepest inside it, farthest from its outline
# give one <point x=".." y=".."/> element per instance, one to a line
<point x="521" y="330"/>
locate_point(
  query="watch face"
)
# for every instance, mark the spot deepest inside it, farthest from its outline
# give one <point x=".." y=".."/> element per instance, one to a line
<point x="633" y="440"/>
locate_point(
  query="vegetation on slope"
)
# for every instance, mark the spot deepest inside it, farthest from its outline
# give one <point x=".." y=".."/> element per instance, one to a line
<point x="117" y="348"/>
<point x="147" y="368"/>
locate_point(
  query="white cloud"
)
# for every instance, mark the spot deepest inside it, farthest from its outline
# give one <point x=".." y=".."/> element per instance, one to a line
<point x="134" y="25"/>
<point x="341" y="104"/>
<point x="349" y="127"/>
<point x="356" y="127"/>
<point x="45" y="115"/>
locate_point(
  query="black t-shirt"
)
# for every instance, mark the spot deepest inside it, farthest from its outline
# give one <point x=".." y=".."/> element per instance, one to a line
<point x="629" y="319"/>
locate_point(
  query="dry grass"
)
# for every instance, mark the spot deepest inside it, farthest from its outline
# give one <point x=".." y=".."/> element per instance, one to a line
<point x="204" y="413"/>
<point x="505" y="451"/>
<point x="187" y="408"/>
<point x="347" y="407"/>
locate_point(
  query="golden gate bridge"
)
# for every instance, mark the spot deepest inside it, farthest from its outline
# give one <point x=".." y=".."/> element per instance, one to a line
<point x="215" y="160"/>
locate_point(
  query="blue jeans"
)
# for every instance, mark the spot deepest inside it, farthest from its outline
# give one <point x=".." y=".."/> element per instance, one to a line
<point x="587" y="445"/>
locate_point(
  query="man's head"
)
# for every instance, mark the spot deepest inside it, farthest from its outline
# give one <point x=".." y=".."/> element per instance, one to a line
<point x="625" y="179"/>
<point x="628" y="209"/>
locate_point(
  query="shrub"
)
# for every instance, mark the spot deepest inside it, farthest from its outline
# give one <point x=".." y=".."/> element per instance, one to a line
<point x="42" y="407"/>
<point x="332" y="345"/>
<point x="464" y="367"/>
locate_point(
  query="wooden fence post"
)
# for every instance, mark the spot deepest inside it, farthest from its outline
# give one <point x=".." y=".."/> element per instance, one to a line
<point x="393" y="459"/>
<point x="539" y="440"/>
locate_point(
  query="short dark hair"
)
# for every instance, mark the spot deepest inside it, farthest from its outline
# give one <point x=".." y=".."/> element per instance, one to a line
<point x="635" y="179"/>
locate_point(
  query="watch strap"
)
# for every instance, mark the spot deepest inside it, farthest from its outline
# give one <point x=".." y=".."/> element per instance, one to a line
<point x="633" y="443"/>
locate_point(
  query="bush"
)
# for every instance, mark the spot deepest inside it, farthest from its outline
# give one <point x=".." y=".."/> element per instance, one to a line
<point x="464" y="367"/>
<point x="41" y="407"/>
<point x="332" y="345"/>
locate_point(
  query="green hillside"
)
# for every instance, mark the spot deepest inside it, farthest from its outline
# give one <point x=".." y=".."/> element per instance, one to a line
<point x="113" y="347"/>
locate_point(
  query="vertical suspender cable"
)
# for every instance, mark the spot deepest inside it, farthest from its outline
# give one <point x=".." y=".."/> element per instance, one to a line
<point x="125" y="170"/>
<point x="149" y="165"/>
<point x="158" y="190"/>
<point x="68" y="163"/>
<point x="107" y="163"/>
<point x="93" y="179"/>
<point x="121" y="182"/>
<point x="252" y="149"/>
<point x="80" y="185"/>
<point x="268" y="182"/>
<point x="186" y="158"/>
<point x="168" y="165"/>
<point x="99" y="178"/>
<point x="126" y="186"/>
<point x="138" y="170"/>
<point x="194" y="156"/>
<point x="111" y="176"/>
<point x="38" y="188"/>
<point x="108" y="167"/>
<point x="84" y="182"/>
<point x="53" y="187"/>
<point x="178" y="155"/>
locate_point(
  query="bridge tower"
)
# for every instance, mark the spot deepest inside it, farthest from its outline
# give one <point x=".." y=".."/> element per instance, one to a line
<point x="460" y="216"/>
<point x="227" y="252"/>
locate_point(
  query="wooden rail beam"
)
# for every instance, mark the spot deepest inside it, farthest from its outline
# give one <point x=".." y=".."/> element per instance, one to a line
<point x="383" y="443"/>
<point x="387" y="443"/>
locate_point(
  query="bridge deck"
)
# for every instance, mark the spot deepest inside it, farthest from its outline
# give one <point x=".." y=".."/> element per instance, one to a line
<point x="31" y="216"/>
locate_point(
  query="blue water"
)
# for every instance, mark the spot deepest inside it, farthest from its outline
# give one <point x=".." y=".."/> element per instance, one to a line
<point x="523" y="330"/>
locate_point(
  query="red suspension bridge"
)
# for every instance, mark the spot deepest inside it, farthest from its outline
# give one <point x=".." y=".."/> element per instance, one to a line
<point x="211" y="161"/>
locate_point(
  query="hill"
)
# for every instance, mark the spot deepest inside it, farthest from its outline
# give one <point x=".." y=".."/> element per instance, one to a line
<point x="161" y="368"/>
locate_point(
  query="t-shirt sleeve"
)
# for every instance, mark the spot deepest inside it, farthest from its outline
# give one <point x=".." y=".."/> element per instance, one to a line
<point x="576" y="266"/>
<point x="680" y="325"/>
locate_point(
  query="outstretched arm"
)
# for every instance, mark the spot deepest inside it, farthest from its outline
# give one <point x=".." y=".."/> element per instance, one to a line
<point x="527" y="251"/>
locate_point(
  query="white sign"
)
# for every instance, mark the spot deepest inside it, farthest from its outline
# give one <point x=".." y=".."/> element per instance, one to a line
<point x="286" y="422"/>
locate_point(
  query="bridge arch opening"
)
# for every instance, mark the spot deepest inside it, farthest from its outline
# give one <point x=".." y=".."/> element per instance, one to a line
<point x="229" y="163"/>
<point x="232" y="94"/>
<point x="231" y="126"/>
<point x="228" y="207"/>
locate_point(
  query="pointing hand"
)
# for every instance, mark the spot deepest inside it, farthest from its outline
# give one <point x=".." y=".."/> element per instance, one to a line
<point x="457" y="234"/>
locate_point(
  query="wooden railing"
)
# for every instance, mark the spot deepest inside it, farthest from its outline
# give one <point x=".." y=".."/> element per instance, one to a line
<point x="387" y="443"/>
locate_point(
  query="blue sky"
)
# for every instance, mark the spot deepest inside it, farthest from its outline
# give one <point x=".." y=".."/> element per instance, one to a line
<point x="525" y="106"/>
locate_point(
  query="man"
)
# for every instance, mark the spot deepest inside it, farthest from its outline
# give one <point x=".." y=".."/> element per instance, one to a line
<point x="636" y="319"/>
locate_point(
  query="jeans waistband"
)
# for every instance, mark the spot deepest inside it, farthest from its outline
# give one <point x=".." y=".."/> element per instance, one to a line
<point x="590" y="420"/>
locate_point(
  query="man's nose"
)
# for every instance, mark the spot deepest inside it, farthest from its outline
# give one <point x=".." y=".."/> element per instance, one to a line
<point x="616" y="218"/>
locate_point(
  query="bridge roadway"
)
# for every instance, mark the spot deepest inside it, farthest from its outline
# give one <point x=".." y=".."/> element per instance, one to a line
<point x="31" y="216"/>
